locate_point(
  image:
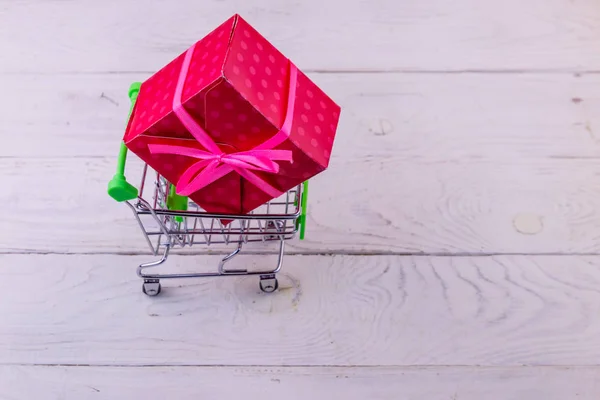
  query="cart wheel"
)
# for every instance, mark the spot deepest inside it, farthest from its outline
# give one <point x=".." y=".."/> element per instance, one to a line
<point x="268" y="285"/>
<point x="151" y="287"/>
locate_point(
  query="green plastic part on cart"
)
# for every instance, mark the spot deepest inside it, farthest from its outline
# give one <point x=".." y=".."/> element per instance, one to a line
<point x="303" y="204"/>
<point x="176" y="202"/>
<point x="118" y="188"/>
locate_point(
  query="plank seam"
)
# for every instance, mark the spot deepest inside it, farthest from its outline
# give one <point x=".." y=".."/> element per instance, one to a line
<point x="298" y="253"/>
<point x="357" y="366"/>
<point x="533" y="71"/>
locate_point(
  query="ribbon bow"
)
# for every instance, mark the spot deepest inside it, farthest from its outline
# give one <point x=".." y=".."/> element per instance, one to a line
<point x="213" y="166"/>
<point x="214" y="163"/>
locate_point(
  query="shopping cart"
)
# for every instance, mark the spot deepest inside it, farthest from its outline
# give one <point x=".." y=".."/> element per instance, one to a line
<point x="170" y="221"/>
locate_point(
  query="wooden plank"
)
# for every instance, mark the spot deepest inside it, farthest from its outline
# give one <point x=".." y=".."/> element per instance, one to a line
<point x="330" y="311"/>
<point x="115" y="35"/>
<point x="361" y="205"/>
<point x="442" y="383"/>
<point x="545" y="207"/>
<point x="434" y="118"/>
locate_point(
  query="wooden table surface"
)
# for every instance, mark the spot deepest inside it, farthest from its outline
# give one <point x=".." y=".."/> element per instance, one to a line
<point x="452" y="248"/>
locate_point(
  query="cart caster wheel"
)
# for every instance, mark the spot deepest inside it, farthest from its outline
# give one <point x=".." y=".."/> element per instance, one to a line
<point x="268" y="285"/>
<point x="151" y="288"/>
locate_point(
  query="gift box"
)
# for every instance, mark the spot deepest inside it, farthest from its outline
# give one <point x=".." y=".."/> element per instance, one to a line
<point x="232" y="122"/>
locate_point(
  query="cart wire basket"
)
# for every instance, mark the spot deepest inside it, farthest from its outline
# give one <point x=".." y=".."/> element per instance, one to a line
<point x="169" y="222"/>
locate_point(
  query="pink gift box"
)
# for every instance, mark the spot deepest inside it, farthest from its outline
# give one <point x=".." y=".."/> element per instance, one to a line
<point x="256" y="136"/>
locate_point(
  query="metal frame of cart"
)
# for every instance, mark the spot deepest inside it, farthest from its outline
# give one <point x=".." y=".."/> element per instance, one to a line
<point x="170" y="221"/>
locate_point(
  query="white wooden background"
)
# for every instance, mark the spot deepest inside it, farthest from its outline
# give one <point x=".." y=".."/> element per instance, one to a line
<point x="452" y="247"/>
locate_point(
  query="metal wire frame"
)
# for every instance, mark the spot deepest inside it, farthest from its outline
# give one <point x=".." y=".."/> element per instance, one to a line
<point x="276" y="220"/>
<point x="166" y="229"/>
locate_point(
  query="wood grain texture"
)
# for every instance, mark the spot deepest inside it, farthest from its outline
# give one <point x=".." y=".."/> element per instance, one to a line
<point x="433" y="383"/>
<point x="330" y="311"/>
<point x="118" y="35"/>
<point x="380" y="205"/>
<point x="422" y="163"/>
<point x="469" y="129"/>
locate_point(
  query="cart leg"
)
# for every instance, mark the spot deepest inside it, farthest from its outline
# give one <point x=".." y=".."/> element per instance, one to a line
<point x="151" y="285"/>
<point x="268" y="283"/>
<point x="223" y="271"/>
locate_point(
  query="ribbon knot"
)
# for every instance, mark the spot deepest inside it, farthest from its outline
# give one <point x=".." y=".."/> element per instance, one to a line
<point x="213" y="162"/>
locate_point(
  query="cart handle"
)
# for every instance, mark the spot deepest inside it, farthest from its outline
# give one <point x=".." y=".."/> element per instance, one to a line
<point x="118" y="187"/>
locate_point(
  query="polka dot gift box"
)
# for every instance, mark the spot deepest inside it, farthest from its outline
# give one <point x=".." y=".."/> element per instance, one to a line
<point x="232" y="122"/>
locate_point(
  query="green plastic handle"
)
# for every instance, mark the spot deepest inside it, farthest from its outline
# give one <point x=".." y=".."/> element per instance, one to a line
<point x="303" y="204"/>
<point x="176" y="202"/>
<point x="118" y="187"/>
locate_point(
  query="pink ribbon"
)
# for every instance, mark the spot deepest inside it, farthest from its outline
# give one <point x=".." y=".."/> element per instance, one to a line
<point x="214" y="163"/>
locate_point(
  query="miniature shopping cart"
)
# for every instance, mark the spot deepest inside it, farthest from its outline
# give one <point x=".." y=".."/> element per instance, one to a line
<point x="170" y="221"/>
